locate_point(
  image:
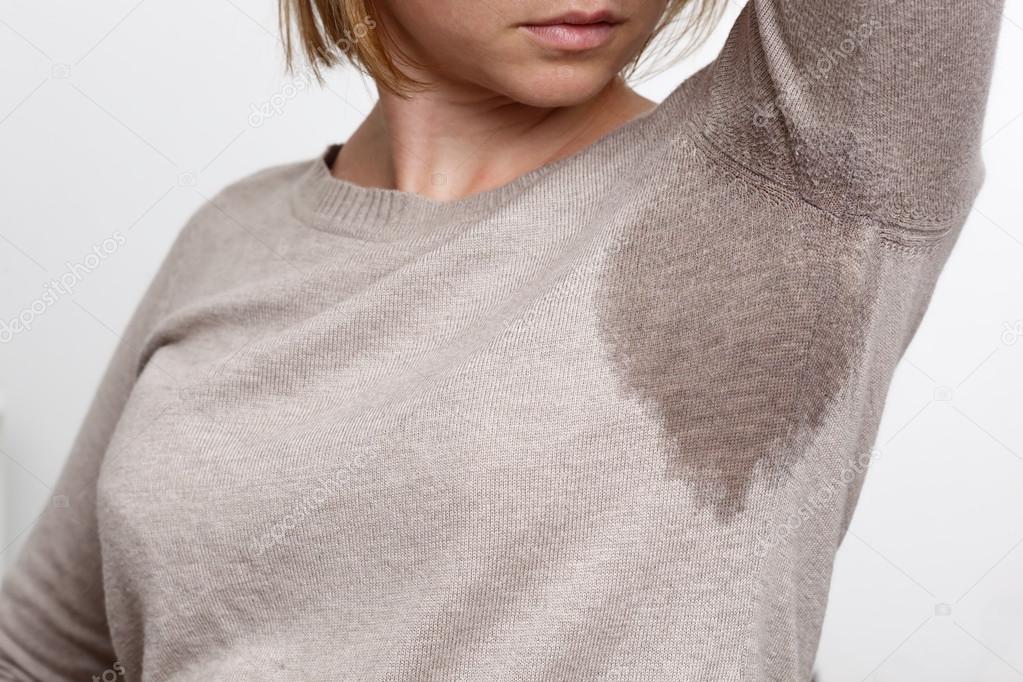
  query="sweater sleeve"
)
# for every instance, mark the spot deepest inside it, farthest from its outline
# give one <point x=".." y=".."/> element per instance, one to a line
<point x="53" y="622"/>
<point x="866" y="107"/>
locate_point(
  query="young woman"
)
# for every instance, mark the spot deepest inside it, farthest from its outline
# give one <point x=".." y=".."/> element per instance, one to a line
<point x="531" y="379"/>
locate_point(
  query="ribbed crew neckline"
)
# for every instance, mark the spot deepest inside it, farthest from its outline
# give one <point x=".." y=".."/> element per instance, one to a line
<point x="340" y="206"/>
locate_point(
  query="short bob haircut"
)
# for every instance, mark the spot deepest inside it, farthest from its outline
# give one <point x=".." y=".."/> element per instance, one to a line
<point x="333" y="32"/>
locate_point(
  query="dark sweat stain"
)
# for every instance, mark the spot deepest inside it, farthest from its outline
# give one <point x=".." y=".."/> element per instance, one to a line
<point x="737" y="330"/>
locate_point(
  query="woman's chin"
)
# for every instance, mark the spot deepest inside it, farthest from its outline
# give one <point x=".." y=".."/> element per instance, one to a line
<point x="558" y="86"/>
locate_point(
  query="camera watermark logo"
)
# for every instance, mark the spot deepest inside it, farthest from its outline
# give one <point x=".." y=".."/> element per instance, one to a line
<point x="58" y="288"/>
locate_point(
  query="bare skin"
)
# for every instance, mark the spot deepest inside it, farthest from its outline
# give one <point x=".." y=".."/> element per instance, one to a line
<point x="501" y="103"/>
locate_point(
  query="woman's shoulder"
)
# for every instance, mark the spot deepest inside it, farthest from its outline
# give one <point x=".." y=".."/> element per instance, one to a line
<point x="260" y="192"/>
<point x="251" y="207"/>
<point x="269" y="178"/>
<point x="858" y="109"/>
<point x="239" y="233"/>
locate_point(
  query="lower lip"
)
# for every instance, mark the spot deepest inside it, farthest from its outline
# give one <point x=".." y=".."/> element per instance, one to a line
<point x="572" y="36"/>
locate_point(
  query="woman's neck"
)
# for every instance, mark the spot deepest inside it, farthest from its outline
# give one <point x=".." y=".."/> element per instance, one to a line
<point x="447" y="145"/>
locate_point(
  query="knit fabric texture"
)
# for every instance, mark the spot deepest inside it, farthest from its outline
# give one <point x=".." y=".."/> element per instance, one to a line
<point x="607" y="421"/>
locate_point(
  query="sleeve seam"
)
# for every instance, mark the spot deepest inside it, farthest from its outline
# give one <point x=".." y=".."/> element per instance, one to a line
<point x="901" y="236"/>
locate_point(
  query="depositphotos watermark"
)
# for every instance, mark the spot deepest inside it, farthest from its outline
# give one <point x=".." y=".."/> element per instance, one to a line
<point x="308" y="504"/>
<point x="274" y="106"/>
<point x="820" y="70"/>
<point x="820" y="499"/>
<point x="1012" y="332"/>
<point x="264" y="111"/>
<point x="55" y="289"/>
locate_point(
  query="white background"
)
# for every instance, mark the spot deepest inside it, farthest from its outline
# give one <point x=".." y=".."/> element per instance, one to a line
<point x="124" y="116"/>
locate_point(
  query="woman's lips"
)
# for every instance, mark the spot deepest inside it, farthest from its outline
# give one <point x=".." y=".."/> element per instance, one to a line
<point x="572" y="36"/>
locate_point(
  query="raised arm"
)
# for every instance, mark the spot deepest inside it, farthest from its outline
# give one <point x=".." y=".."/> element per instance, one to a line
<point x="865" y="107"/>
<point x="52" y="615"/>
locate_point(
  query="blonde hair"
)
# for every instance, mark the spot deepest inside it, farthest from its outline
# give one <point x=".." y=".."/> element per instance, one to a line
<point x="333" y="32"/>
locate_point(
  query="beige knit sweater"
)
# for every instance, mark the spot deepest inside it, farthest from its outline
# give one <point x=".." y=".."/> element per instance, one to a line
<point x="608" y="421"/>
